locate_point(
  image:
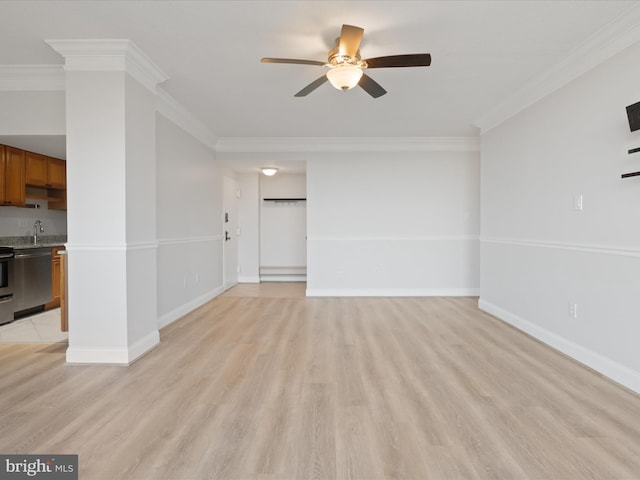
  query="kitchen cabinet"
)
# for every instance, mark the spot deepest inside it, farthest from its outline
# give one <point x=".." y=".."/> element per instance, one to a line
<point x="43" y="171"/>
<point x="28" y="175"/>
<point x="57" y="198"/>
<point x="64" y="311"/>
<point x="56" y="278"/>
<point x="12" y="176"/>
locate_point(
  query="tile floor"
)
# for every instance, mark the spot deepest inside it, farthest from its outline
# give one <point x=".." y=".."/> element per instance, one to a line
<point x="40" y="328"/>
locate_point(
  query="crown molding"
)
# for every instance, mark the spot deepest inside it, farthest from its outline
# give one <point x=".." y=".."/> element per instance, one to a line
<point x="109" y="55"/>
<point x="31" y="78"/>
<point x="346" y="144"/>
<point x="621" y="33"/>
<point x="174" y="111"/>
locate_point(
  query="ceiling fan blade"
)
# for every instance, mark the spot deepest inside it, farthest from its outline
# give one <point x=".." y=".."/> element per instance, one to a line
<point x="292" y="60"/>
<point x="350" y="38"/>
<point x="370" y="86"/>
<point x="311" y="87"/>
<point x="413" y="60"/>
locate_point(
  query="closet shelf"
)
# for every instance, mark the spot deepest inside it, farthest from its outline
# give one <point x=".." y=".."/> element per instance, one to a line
<point x="632" y="174"/>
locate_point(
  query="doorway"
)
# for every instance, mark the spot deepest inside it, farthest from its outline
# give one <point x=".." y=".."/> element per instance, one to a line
<point x="283" y="228"/>
<point x="230" y="232"/>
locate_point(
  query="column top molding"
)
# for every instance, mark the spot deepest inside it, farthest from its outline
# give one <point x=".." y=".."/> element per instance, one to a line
<point x="109" y="55"/>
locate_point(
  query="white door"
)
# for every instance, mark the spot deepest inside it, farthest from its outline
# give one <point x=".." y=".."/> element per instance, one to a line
<point x="230" y="232"/>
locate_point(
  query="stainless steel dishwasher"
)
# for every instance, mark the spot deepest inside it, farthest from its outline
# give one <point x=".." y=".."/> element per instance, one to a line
<point x="32" y="278"/>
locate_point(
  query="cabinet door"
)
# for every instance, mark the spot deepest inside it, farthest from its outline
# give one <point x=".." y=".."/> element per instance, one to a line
<point x="36" y="173"/>
<point x="56" y="173"/>
<point x="64" y="316"/>
<point x="56" y="279"/>
<point x="14" y="193"/>
<point x="2" y="174"/>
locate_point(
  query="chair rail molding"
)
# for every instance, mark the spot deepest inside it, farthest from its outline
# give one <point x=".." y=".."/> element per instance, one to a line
<point x="629" y="251"/>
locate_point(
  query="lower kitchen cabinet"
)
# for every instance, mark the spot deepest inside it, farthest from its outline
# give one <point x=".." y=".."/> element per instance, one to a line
<point x="64" y="311"/>
<point x="56" y="278"/>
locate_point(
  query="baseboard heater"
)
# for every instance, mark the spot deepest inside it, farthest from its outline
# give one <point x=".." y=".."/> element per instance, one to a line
<point x="283" y="273"/>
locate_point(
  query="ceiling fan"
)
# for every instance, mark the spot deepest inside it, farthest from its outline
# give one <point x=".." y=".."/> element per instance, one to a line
<point x="345" y="65"/>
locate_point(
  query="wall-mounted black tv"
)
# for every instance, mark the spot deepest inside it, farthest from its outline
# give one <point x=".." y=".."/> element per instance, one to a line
<point x="633" y="114"/>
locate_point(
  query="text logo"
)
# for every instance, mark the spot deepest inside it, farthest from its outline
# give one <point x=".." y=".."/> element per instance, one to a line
<point x="50" y="467"/>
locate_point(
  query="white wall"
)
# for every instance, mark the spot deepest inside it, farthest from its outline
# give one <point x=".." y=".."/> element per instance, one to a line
<point x="249" y="224"/>
<point x="189" y="226"/>
<point x="539" y="255"/>
<point x="393" y="223"/>
<point x="32" y="113"/>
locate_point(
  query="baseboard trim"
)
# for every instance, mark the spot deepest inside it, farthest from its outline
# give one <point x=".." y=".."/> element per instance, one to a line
<point x="613" y="370"/>
<point x="113" y="356"/>
<point x="393" y="292"/>
<point x="282" y="278"/>
<point x="182" y="310"/>
<point x="142" y="346"/>
<point x="248" y="279"/>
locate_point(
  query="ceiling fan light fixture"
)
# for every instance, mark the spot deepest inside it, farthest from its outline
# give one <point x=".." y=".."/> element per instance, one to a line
<point x="344" y="77"/>
<point x="269" y="171"/>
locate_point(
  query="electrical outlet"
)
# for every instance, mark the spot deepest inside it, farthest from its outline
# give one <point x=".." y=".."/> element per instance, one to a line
<point x="573" y="310"/>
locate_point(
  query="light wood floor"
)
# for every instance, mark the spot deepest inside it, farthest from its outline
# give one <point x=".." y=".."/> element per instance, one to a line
<point x="259" y="385"/>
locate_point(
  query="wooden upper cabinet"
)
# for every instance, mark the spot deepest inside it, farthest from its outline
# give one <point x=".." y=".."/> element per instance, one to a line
<point x="12" y="191"/>
<point x="43" y="171"/>
<point x="36" y="169"/>
<point x="57" y="173"/>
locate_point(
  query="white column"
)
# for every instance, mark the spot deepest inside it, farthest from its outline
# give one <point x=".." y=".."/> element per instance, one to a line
<point x="111" y="216"/>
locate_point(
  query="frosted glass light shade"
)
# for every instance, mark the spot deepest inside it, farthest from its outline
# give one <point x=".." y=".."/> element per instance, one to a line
<point x="344" y="77"/>
<point x="269" y="171"/>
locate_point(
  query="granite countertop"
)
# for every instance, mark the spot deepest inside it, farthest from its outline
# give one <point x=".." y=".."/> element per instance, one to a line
<point x="38" y="245"/>
<point x="27" y="242"/>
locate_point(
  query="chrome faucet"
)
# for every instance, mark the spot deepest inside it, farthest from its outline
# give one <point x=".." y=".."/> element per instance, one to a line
<point x="38" y="227"/>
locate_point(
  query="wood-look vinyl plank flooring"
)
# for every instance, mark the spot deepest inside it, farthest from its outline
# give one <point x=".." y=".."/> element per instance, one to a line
<point x="262" y="383"/>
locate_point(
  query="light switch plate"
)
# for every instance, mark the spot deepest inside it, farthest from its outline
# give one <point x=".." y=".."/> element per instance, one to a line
<point x="577" y="203"/>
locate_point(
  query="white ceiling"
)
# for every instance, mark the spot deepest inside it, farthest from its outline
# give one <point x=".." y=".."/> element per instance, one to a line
<point x="482" y="51"/>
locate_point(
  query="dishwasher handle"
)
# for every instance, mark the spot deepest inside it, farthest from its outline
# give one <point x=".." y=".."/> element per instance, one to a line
<point x="19" y="255"/>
